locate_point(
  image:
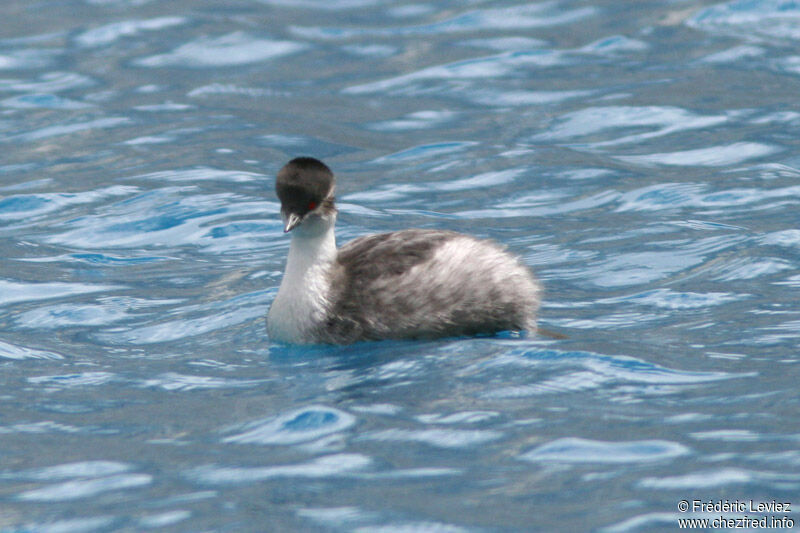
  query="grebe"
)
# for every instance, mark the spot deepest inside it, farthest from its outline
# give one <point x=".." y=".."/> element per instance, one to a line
<point x="409" y="284"/>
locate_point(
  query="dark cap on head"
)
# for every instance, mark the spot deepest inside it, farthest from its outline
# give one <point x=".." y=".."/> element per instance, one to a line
<point x="303" y="185"/>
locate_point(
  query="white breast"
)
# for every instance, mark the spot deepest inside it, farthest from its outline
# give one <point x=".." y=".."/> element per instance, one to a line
<point x="298" y="309"/>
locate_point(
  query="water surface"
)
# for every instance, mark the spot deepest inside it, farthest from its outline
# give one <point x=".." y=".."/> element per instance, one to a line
<point x="642" y="158"/>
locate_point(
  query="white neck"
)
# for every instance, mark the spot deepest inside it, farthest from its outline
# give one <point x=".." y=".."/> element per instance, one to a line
<point x="302" y="298"/>
<point x="311" y="247"/>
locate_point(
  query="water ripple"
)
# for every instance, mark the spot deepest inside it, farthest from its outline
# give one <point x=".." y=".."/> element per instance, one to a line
<point x="412" y="527"/>
<point x="396" y="191"/>
<point x="66" y="129"/>
<point x="642" y="521"/>
<point x="750" y="268"/>
<point x="109" y="33"/>
<point x="593" y="121"/>
<point x="200" y="174"/>
<point x="231" y="89"/>
<point x="85" y="488"/>
<point x="722" y="477"/>
<point x="574" y="450"/>
<point x="735" y="54"/>
<point x="164" y="519"/>
<point x="302" y="425"/>
<point x="414" y="121"/>
<point x="13" y="291"/>
<point x="636" y="268"/>
<point x="68" y="381"/>
<point x="71" y="470"/>
<point x="15" y="351"/>
<point x="50" y="427"/>
<point x="506" y="44"/>
<point x="215" y="316"/>
<point x="173" y="381"/>
<point x="73" y="314"/>
<point x="324" y="4"/>
<point x="537" y="15"/>
<point x="593" y="371"/>
<point x="165" y="217"/>
<point x="49" y="82"/>
<point x="118" y="3"/>
<point x="338" y="517"/>
<point x="237" y="48"/>
<point x="712" y="156"/>
<point x="765" y="18"/>
<point x="464" y="417"/>
<point x="27" y="59"/>
<point x="541" y="204"/>
<point x="683" y="195"/>
<point x="439" y="438"/>
<point x="22" y="209"/>
<point x="426" y="151"/>
<point x="467" y="69"/>
<point x="509" y="98"/>
<point x="615" y="320"/>
<point x="42" y="101"/>
<point x="570" y="382"/>
<point x="614" y="44"/>
<point x="321" y="467"/>
<point x="75" y="525"/>
<point x="669" y="299"/>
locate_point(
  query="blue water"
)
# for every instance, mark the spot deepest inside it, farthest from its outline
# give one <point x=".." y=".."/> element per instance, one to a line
<point x="642" y="157"/>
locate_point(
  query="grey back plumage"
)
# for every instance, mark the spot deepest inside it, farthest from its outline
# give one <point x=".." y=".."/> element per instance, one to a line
<point x="424" y="284"/>
<point x="389" y="254"/>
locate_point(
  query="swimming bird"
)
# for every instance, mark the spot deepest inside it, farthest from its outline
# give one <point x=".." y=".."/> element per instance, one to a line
<point x="408" y="284"/>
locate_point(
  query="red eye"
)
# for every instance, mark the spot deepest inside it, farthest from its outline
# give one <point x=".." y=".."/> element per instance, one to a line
<point x="312" y="205"/>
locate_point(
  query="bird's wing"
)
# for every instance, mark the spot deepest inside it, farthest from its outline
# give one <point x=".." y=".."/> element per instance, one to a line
<point x="366" y="259"/>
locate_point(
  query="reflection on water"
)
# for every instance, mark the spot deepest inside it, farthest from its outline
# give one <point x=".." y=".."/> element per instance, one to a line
<point x="641" y="158"/>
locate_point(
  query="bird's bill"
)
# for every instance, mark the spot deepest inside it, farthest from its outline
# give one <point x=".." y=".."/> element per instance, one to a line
<point x="291" y="221"/>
